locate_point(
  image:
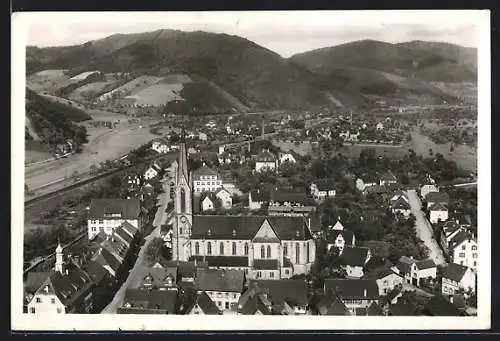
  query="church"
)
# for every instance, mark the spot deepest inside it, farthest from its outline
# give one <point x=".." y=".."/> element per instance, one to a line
<point x="265" y="247"/>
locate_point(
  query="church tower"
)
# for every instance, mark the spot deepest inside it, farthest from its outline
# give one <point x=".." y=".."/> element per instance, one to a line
<point x="59" y="259"/>
<point x="183" y="209"/>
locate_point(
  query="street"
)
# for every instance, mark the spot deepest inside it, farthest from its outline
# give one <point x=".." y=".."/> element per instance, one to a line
<point x="160" y="218"/>
<point x="117" y="301"/>
<point x="424" y="228"/>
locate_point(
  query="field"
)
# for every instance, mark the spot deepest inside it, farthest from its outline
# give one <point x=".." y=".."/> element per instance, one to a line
<point x="133" y="86"/>
<point x="302" y="149"/>
<point x="465" y="90"/>
<point x="45" y="80"/>
<point x="82" y="75"/>
<point x="464" y="156"/>
<point x="157" y="94"/>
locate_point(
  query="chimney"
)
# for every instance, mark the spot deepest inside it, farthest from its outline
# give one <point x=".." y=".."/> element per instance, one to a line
<point x="365" y="292"/>
<point x="195" y="262"/>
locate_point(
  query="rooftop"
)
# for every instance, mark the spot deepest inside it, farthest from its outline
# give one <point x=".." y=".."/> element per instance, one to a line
<point x="353" y="288"/>
<point x="220" y="280"/>
<point x="107" y="208"/>
<point x="455" y="272"/>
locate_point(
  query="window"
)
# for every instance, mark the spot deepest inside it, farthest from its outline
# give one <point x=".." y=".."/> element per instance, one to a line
<point x="234" y="295"/>
<point x="474" y="255"/>
<point x="53" y="300"/>
<point x="461" y="262"/>
<point x="461" y="255"/>
<point x="474" y="247"/>
<point x="209" y="248"/>
<point x="221" y="248"/>
<point x="246" y="249"/>
<point x="386" y="282"/>
<point x="180" y="230"/>
<point x="38" y="300"/>
<point x="463" y="247"/>
<point x="197" y="313"/>
<point x="183" y="200"/>
<point x="59" y="310"/>
<point x="287" y="272"/>
<point x="285" y="250"/>
<point x="269" y="251"/>
<point x="197" y="248"/>
<point x="474" y="263"/>
<point x="385" y="290"/>
<point x="32" y="310"/>
<point x="259" y="274"/>
<point x="219" y="303"/>
<point x="297" y="253"/>
<point x="227" y="305"/>
<point x="234" y="249"/>
<point x="307" y="252"/>
<point x="262" y="252"/>
<point x="271" y="274"/>
<point x="101" y="222"/>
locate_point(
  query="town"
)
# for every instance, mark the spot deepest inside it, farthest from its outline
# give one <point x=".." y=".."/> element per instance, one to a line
<point x="212" y="226"/>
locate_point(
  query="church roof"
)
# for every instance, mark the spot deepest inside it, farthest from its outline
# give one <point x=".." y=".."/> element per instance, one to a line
<point x="246" y="227"/>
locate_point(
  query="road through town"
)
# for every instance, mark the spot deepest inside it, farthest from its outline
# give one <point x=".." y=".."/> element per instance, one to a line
<point x="424" y="228"/>
<point x="160" y="218"/>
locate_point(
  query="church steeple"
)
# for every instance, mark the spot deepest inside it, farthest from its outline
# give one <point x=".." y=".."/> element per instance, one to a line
<point x="183" y="167"/>
<point x="59" y="259"/>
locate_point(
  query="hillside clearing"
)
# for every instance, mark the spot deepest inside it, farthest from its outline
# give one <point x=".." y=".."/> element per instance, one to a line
<point x="157" y="94"/>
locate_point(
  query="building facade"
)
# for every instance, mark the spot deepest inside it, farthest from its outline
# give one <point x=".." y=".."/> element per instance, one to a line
<point x="108" y="214"/>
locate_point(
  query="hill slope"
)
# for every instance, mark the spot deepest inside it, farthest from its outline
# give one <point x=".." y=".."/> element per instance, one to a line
<point x="259" y="78"/>
<point x="429" y="61"/>
<point x="52" y="122"/>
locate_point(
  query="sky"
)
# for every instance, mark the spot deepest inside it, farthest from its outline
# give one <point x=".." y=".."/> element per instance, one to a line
<point x="285" y="33"/>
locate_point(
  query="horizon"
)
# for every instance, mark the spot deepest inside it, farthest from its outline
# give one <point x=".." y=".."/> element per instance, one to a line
<point x="285" y="33"/>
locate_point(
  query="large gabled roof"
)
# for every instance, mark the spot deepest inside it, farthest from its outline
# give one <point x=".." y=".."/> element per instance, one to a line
<point x="454" y="271"/>
<point x="246" y="227"/>
<point x="128" y="208"/>
<point x="220" y="280"/>
<point x="205" y="303"/>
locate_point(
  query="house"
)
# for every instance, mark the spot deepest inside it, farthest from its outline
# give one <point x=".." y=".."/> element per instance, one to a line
<point x="202" y="136"/>
<point x="224" y="287"/>
<point x="379" y="126"/>
<point x="152" y="172"/>
<point x="108" y="214"/>
<point x="265" y="161"/>
<point x="322" y="189"/>
<point x="203" y="305"/>
<point x="280" y="197"/>
<point x="160" y="147"/>
<point x="401" y="206"/>
<point x="225" y="197"/>
<point x="154" y="301"/>
<point x="428" y="188"/>
<point x="208" y="202"/>
<point x="331" y="304"/>
<point x="387" y="179"/>
<point x="257" y="198"/>
<point x="434" y="198"/>
<point x="353" y="259"/>
<point x="414" y="272"/>
<point x="354" y="293"/>
<point x="132" y="181"/>
<point x="438" y="212"/>
<point x="440" y="306"/>
<point x="206" y="179"/>
<point x="155" y="277"/>
<point x="287" y="157"/>
<point x="339" y="238"/>
<point x="65" y="290"/>
<point x="399" y="195"/>
<point x="274" y="297"/>
<point x="457" y="277"/>
<point x="363" y="183"/>
<point x="387" y="280"/>
<point x="464" y="250"/>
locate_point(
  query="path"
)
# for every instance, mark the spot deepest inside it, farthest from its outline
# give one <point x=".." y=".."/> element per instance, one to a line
<point x="424" y="228"/>
<point x="117" y="301"/>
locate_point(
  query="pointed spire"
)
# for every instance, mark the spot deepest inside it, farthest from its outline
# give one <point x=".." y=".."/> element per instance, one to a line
<point x="183" y="168"/>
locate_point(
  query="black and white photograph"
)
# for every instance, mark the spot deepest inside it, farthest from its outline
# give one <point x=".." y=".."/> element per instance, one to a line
<point x="323" y="165"/>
